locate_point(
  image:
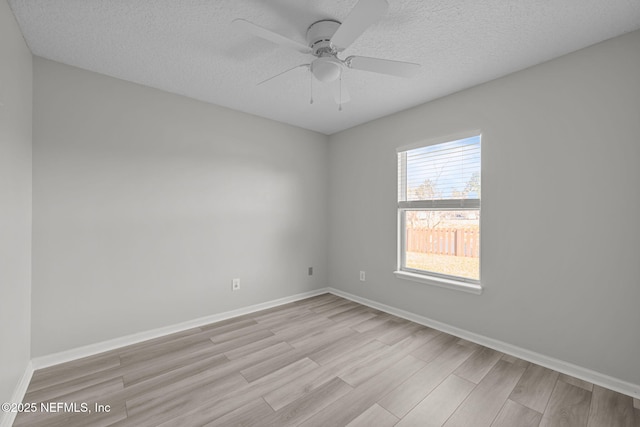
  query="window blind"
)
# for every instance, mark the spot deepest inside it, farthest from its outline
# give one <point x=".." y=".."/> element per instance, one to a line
<point x="441" y="176"/>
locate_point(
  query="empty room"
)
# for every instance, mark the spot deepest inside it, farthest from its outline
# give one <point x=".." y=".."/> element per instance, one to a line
<point x="320" y="213"/>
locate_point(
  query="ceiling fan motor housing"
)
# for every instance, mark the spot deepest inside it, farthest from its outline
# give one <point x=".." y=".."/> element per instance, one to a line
<point x="319" y="36"/>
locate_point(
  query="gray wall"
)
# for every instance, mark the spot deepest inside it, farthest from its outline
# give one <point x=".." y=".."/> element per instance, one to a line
<point x="147" y="204"/>
<point x="15" y="202"/>
<point x="560" y="208"/>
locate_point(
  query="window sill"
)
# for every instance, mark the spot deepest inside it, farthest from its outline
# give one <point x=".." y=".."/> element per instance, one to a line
<point x="441" y="282"/>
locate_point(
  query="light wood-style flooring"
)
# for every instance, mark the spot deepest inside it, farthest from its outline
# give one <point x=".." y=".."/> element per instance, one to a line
<point x="323" y="361"/>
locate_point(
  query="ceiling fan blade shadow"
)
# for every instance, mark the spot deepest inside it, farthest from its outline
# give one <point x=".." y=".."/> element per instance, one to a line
<point x="271" y="36"/>
<point x="383" y="66"/>
<point x="340" y="94"/>
<point x="284" y="72"/>
<point x="293" y="11"/>
<point x="361" y="17"/>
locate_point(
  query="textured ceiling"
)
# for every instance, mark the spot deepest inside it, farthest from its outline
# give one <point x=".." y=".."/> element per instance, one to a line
<point x="189" y="47"/>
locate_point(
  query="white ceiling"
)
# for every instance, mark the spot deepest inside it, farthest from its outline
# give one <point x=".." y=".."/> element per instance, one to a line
<point x="189" y="47"/>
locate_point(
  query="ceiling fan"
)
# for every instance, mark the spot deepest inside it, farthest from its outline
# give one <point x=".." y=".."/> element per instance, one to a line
<point x="327" y="38"/>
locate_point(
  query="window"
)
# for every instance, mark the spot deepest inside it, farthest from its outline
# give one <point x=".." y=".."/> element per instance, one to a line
<point x="439" y="213"/>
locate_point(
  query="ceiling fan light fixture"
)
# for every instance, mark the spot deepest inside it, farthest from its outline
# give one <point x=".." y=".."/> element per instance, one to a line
<point x="326" y="69"/>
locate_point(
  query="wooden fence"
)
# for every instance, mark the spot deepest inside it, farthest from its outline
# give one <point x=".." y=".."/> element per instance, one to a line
<point x="446" y="241"/>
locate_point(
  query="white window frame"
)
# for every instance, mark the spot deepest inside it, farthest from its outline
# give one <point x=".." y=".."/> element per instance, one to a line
<point x="428" y="277"/>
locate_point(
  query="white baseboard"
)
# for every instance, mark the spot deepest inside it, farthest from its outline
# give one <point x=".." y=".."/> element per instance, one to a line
<point x="92" y="349"/>
<point x="594" y="377"/>
<point x="7" y="418"/>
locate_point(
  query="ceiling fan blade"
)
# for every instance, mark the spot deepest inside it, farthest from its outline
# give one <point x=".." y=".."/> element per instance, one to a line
<point x="271" y="36"/>
<point x="340" y="94"/>
<point x="361" y="17"/>
<point x="286" y="71"/>
<point x="384" y="66"/>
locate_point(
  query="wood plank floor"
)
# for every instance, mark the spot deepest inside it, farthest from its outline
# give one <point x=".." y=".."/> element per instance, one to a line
<point x="323" y="361"/>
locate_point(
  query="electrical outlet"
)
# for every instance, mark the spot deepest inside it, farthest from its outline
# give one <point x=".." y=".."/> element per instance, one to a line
<point x="235" y="284"/>
<point x="362" y="276"/>
<point x="310" y="271"/>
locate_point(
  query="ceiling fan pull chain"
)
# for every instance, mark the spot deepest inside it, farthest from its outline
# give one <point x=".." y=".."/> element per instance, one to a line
<point x="310" y="88"/>
<point x="340" y="104"/>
